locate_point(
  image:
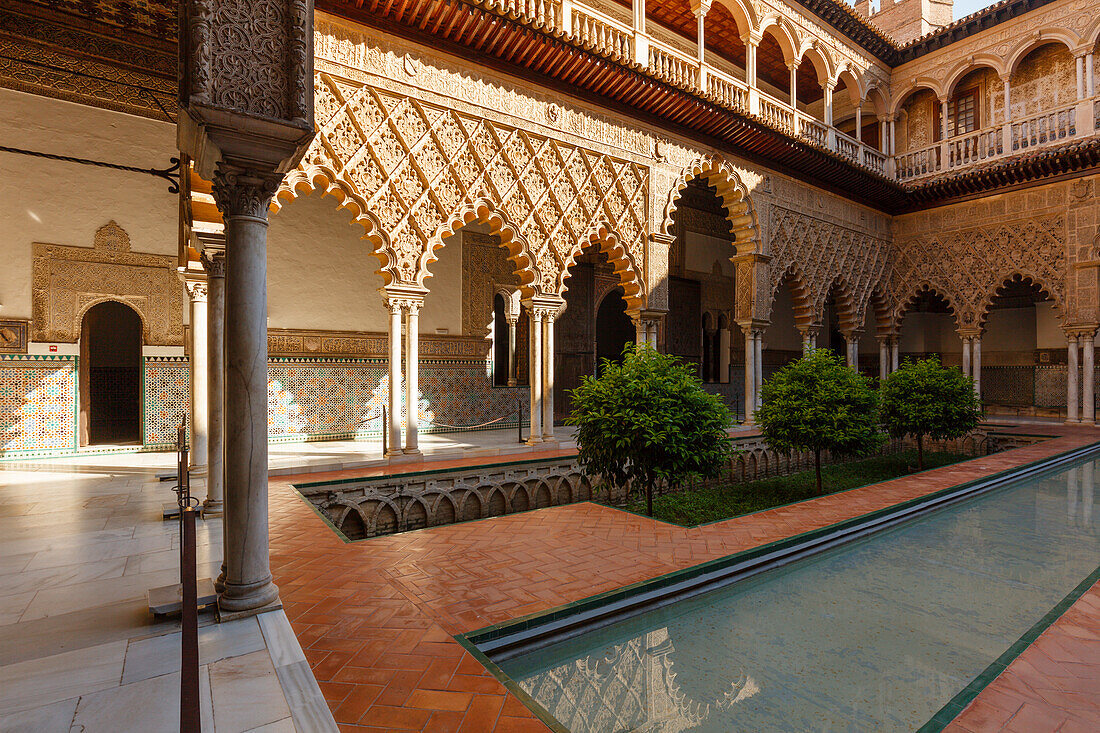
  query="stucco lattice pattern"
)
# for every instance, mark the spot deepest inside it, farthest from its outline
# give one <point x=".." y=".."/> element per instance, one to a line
<point x="419" y="168"/>
<point x="816" y="251"/>
<point x="167" y="399"/>
<point x="968" y="266"/>
<point x="37" y="403"/>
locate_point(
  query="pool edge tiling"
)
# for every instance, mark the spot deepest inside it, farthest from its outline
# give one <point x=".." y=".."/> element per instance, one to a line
<point x="377" y="618"/>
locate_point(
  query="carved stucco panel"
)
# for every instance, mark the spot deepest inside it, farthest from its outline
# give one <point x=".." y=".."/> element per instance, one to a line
<point x="67" y="281"/>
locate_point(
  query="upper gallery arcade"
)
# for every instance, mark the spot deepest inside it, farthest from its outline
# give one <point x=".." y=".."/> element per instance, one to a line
<point x="499" y="194"/>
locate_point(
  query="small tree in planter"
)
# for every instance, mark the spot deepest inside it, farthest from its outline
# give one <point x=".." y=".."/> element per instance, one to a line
<point x="924" y="398"/>
<point x="820" y="404"/>
<point x="648" y="419"/>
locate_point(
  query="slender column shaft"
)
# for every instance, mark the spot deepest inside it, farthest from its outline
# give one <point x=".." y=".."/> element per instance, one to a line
<point x="641" y="332"/>
<point x="976" y="364"/>
<point x="700" y="41"/>
<point x="200" y="370"/>
<point x="511" y="352"/>
<point x="750" y="375"/>
<point x="215" y="386"/>
<point x="1088" y="379"/>
<point x="243" y="199"/>
<point x="1008" y="99"/>
<point x="966" y="356"/>
<point x="853" y="353"/>
<point x="412" y="379"/>
<point x="535" y="373"/>
<point x="1072" y="396"/>
<point x="1080" y="77"/>
<point x="759" y="376"/>
<point x="724" y="356"/>
<point x="883" y="359"/>
<point x="1090" y="75"/>
<point x="394" y="414"/>
<point x="794" y="86"/>
<point x="895" y="356"/>
<point x="548" y="377"/>
<point x="651" y="334"/>
<point x="944" y="127"/>
<point x="859" y="124"/>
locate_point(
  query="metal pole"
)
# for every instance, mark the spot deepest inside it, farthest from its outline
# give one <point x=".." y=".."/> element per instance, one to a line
<point x="190" y="721"/>
<point x="519" y="420"/>
<point x="385" y="432"/>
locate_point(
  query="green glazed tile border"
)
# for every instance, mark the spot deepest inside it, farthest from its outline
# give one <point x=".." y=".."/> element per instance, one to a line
<point x="958" y="703"/>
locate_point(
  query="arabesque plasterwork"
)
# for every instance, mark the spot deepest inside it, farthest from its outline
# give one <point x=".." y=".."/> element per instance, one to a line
<point x="67" y="281"/>
<point x="968" y="266"/>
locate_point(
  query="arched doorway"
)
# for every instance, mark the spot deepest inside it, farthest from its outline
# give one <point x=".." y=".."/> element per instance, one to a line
<point x="928" y="328"/>
<point x="614" y="329"/>
<point x="110" y="375"/>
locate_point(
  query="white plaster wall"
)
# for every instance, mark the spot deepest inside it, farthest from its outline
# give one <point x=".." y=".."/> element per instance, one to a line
<point x="782" y="334"/>
<point x="319" y="274"/>
<point x="65" y="203"/>
<point x="701" y="251"/>
<point x="443" y="304"/>
<point x="1048" y="329"/>
<point x="923" y="332"/>
<point x="1010" y="329"/>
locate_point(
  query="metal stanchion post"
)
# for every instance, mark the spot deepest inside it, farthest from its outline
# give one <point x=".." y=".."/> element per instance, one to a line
<point x="385" y="432"/>
<point x="190" y="721"/>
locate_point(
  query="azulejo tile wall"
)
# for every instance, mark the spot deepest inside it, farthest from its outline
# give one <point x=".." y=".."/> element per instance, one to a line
<point x="38" y="403"/>
<point x="317" y="399"/>
<point x="308" y="399"/>
<point x="166" y="400"/>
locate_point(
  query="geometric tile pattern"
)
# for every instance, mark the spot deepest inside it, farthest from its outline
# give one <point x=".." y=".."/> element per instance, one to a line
<point x="307" y="398"/>
<point x="37" y="403"/>
<point x="167" y="398"/>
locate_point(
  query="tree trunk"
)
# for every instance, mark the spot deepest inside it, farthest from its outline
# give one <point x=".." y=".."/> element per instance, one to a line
<point x="920" y="453"/>
<point x="649" y="496"/>
<point x="817" y="468"/>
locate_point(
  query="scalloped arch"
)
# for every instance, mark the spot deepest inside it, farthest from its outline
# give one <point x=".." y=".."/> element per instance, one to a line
<point x="924" y="286"/>
<point x="622" y="264"/>
<point x="1022" y="275"/>
<point x="801" y="298"/>
<point x="717" y="172"/>
<point x="846" y="310"/>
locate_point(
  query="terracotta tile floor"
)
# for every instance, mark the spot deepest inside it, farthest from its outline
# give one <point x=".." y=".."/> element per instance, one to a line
<point x="376" y="617"/>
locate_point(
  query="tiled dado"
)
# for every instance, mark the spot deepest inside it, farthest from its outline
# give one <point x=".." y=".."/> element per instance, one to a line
<point x="308" y="399"/>
<point x="38" y="404"/>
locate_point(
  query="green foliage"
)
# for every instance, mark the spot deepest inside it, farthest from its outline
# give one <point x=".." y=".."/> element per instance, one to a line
<point x="924" y="398"/>
<point x="646" y="420"/>
<point x="820" y="404"/>
<point x="713" y="503"/>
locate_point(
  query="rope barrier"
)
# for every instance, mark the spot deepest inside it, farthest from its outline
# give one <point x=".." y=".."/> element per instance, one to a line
<point x="466" y="427"/>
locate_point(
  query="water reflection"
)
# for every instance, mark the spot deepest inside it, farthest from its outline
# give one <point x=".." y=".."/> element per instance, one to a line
<point x="877" y="635"/>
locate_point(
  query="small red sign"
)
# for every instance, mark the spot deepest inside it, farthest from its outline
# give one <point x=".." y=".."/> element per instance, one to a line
<point x="53" y="349"/>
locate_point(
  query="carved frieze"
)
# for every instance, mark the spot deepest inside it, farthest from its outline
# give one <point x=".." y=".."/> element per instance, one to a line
<point x="368" y="344"/>
<point x="70" y="280"/>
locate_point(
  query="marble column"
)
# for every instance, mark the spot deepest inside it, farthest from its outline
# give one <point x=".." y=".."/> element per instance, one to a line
<point x="883" y="358"/>
<point x="394" y="416"/>
<point x="512" y="319"/>
<point x="976" y="364"/>
<point x="758" y="348"/>
<point x="243" y="197"/>
<point x="966" y="356"/>
<point x="196" y="285"/>
<point x="651" y="334"/>
<point x="852" y="342"/>
<point x="724" y="355"/>
<point x="895" y="355"/>
<point x="1088" y="378"/>
<point x="548" y="374"/>
<point x="535" y="375"/>
<point x="641" y="332"/>
<point x="1072" y="395"/>
<point x="215" y="385"/>
<point x="412" y="378"/>
<point x="750" y="375"/>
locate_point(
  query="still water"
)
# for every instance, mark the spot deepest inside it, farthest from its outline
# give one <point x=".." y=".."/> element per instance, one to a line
<point x="874" y="636"/>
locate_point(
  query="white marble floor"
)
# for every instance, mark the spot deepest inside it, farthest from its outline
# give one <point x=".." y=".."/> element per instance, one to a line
<point x="80" y="543"/>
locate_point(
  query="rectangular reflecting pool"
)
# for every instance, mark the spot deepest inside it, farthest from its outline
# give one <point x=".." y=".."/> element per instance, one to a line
<point x="876" y="635"/>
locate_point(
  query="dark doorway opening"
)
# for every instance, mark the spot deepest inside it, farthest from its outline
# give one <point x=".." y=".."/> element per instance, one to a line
<point x="110" y="375"/>
<point x="500" y="342"/>
<point x="614" y="329"/>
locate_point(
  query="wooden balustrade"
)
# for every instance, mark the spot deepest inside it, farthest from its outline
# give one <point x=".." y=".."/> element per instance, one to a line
<point x="1044" y="129"/>
<point x="602" y="32"/>
<point x="672" y="66"/>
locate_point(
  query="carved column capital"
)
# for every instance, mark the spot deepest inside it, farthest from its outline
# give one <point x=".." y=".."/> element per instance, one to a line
<point x="195" y="284"/>
<point x="241" y="192"/>
<point x="214" y="264"/>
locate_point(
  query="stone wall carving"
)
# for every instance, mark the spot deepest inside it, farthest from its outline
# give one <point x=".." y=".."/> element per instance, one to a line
<point x="968" y="265"/>
<point x="485" y="266"/>
<point x="70" y="280"/>
<point x="414" y="173"/>
<point x="822" y="251"/>
<point x="337" y="344"/>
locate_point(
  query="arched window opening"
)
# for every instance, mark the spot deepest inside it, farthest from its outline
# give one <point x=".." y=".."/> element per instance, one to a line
<point x="110" y="375"/>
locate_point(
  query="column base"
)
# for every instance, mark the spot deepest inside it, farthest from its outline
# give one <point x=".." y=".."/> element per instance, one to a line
<point x="248" y="599"/>
<point x="391" y="453"/>
<point x="412" y="452"/>
<point x="213" y="508"/>
<point x="533" y="440"/>
<point x="226" y="616"/>
<point x="198" y="470"/>
<point x="1072" y="421"/>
